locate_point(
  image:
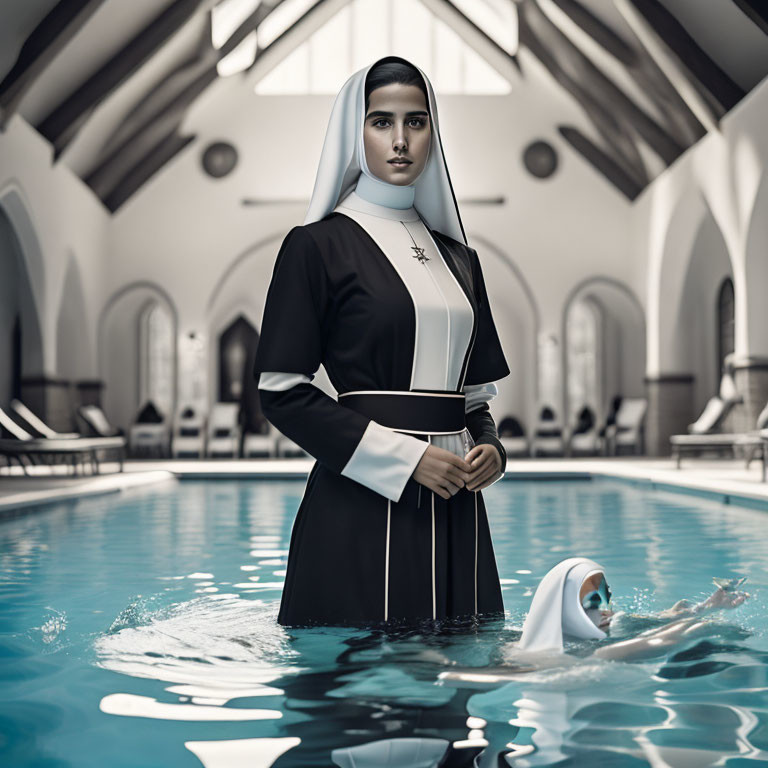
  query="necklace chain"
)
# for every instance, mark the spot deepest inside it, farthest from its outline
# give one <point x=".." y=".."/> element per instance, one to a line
<point x="418" y="253"/>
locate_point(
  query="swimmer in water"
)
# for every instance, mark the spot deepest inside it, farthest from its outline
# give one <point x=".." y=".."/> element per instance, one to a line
<point x="573" y="599"/>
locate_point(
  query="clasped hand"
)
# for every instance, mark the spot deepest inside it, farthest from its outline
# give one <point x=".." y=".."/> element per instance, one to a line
<point x="445" y="473"/>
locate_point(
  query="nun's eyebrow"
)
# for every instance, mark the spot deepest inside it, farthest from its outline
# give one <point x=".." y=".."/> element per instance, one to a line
<point x="379" y="113"/>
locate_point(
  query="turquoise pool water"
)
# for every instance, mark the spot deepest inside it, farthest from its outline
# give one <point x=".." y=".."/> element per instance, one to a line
<point x="139" y="630"/>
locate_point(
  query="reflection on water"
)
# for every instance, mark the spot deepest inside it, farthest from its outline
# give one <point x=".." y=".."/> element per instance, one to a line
<point x="142" y="631"/>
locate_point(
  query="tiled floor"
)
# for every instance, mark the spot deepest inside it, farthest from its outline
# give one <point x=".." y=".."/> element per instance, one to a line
<point x="727" y="477"/>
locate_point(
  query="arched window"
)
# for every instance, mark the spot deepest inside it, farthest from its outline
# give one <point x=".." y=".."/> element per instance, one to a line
<point x="725" y="323"/>
<point x="234" y="344"/>
<point x="583" y="333"/>
<point x="156" y="357"/>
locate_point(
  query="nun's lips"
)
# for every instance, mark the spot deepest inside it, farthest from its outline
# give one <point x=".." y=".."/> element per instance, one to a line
<point x="399" y="161"/>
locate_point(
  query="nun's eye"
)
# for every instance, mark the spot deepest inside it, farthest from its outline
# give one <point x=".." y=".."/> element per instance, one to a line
<point x="420" y="122"/>
<point x="380" y="120"/>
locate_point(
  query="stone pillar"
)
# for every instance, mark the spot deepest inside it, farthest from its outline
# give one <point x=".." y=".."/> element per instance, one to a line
<point x="751" y="377"/>
<point x="670" y="410"/>
<point x="49" y="398"/>
<point x="88" y="392"/>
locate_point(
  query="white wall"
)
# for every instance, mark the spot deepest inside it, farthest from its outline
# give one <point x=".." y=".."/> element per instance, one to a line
<point x="722" y="176"/>
<point x="62" y="231"/>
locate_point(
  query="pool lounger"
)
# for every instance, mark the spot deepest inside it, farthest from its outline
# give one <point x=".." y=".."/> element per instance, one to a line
<point x="73" y="447"/>
<point x="36" y="424"/>
<point x="696" y="443"/>
<point x="24" y="444"/>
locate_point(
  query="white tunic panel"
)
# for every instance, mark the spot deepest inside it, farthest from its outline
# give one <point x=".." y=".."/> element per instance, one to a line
<point x="444" y="316"/>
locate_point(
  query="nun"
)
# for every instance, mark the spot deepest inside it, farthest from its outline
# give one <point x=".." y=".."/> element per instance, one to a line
<point x="380" y="287"/>
<point x="573" y="601"/>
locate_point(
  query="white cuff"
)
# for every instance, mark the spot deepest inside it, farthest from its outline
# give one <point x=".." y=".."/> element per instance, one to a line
<point x="477" y="394"/>
<point x="384" y="460"/>
<point x="278" y="381"/>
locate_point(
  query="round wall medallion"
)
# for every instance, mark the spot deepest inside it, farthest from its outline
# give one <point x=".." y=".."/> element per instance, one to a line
<point x="540" y="158"/>
<point x="219" y="159"/>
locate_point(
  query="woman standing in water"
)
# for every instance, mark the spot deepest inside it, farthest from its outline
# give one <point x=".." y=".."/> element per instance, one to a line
<point x="380" y="287"/>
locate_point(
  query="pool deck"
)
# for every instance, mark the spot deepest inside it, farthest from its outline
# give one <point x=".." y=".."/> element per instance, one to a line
<point x="728" y="479"/>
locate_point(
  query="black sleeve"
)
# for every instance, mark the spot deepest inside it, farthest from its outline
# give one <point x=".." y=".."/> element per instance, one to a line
<point x="296" y="309"/>
<point x="293" y="333"/>
<point x="482" y="427"/>
<point x="486" y="361"/>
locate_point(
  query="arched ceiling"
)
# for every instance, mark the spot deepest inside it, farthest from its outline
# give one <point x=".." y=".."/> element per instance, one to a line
<point x="109" y="82"/>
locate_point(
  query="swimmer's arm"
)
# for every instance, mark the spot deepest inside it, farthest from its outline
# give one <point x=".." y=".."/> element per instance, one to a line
<point x="651" y="643"/>
<point x="656" y="641"/>
<point x="720" y="598"/>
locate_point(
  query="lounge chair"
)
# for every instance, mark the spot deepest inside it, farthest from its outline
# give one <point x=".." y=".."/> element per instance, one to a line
<point x="583" y="438"/>
<point x="548" y="435"/>
<point x="188" y="433"/>
<point x="610" y="421"/>
<point x="94" y="423"/>
<point x="36" y="426"/>
<point x="22" y="445"/>
<point x="261" y="444"/>
<point x="512" y="436"/>
<point x="149" y="434"/>
<point x="753" y="443"/>
<point x="224" y="430"/>
<point x="704" y="434"/>
<point x="627" y="432"/>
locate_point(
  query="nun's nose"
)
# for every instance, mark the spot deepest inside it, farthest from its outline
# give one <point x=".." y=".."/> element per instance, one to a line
<point x="400" y="142"/>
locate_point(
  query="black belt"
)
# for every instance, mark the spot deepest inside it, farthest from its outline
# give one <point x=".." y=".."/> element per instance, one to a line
<point x="421" y="412"/>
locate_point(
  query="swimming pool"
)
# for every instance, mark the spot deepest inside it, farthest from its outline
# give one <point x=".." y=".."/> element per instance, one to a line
<point x="139" y="630"/>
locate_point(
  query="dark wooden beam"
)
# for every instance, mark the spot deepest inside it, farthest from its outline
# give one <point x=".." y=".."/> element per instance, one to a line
<point x="146" y="148"/>
<point x="601" y="33"/>
<point x="756" y="11"/>
<point x="675" y="115"/>
<point x="618" y="142"/>
<point x="166" y="108"/>
<point x="601" y="161"/>
<point x="131" y="153"/>
<point x="587" y="83"/>
<point x="162" y="96"/>
<point x="62" y="124"/>
<point x="701" y="70"/>
<point x="165" y="149"/>
<point x="48" y="38"/>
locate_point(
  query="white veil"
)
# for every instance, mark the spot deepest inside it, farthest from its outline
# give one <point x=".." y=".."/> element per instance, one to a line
<point x="556" y="609"/>
<point x="343" y="158"/>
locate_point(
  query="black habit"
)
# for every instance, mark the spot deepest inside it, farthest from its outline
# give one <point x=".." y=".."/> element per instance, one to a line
<point x="357" y="557"/>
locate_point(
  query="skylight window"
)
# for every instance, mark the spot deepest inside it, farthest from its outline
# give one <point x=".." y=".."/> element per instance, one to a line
<point x="365" y="30"/>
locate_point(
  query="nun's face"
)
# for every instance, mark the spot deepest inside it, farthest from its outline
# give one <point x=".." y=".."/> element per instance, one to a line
<point x="397" y="133"/>
<point x="600" y="618"/>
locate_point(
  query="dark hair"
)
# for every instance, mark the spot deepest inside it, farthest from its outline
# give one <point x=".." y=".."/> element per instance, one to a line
<point x="393" y="70"/>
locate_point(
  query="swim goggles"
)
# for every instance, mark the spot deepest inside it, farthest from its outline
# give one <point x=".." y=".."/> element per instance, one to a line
<point x="593" y="599"/>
